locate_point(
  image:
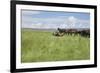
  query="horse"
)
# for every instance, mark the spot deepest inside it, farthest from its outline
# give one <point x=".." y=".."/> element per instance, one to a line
<point x="85" y="33"/>
<point x="58" y="33"/>
<point x="67" y="31"/>
<point x="61" y="32"/>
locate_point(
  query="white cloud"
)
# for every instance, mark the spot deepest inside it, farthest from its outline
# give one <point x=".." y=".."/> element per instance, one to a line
<point x="38" y="25"/>
<point x="69" y="22"/>
<point x="27" y="13"/>
<point x="73" y="22"/>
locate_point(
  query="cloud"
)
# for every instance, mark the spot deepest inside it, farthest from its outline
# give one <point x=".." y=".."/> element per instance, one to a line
<point x="29" y="13"/>
<point x="38" y="25"/>
<point x="40" y="19"/>
<point x="63" y="22"/>
<point x="71" y="21"/>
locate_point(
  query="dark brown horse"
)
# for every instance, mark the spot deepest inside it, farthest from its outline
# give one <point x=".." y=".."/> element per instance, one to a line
<point x="85" y="32"/>
<point x="58" y="33"/>
<point x="67" y="31"/>
<point x="61" y="32"/>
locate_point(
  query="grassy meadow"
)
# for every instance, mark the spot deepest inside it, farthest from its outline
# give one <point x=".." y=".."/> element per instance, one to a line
<point x="41" y="46"/>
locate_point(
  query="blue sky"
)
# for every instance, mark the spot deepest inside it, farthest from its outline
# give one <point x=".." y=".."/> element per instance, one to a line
<point x="53" y="19"/>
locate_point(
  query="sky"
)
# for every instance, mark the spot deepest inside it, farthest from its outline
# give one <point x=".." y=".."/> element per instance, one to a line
<point x="54" y="19"/>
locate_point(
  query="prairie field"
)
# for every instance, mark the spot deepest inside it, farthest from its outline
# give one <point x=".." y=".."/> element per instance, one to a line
<point x="43" y="46"/>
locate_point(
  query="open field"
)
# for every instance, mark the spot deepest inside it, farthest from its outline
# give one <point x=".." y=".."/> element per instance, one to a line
<point x="41" y="46"/>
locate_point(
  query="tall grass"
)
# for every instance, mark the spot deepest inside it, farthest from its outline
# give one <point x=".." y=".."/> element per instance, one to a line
<point x="39" y="46"/>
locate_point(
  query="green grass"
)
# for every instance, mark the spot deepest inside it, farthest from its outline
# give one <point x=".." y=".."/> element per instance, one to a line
<point x="40" y="46"/>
